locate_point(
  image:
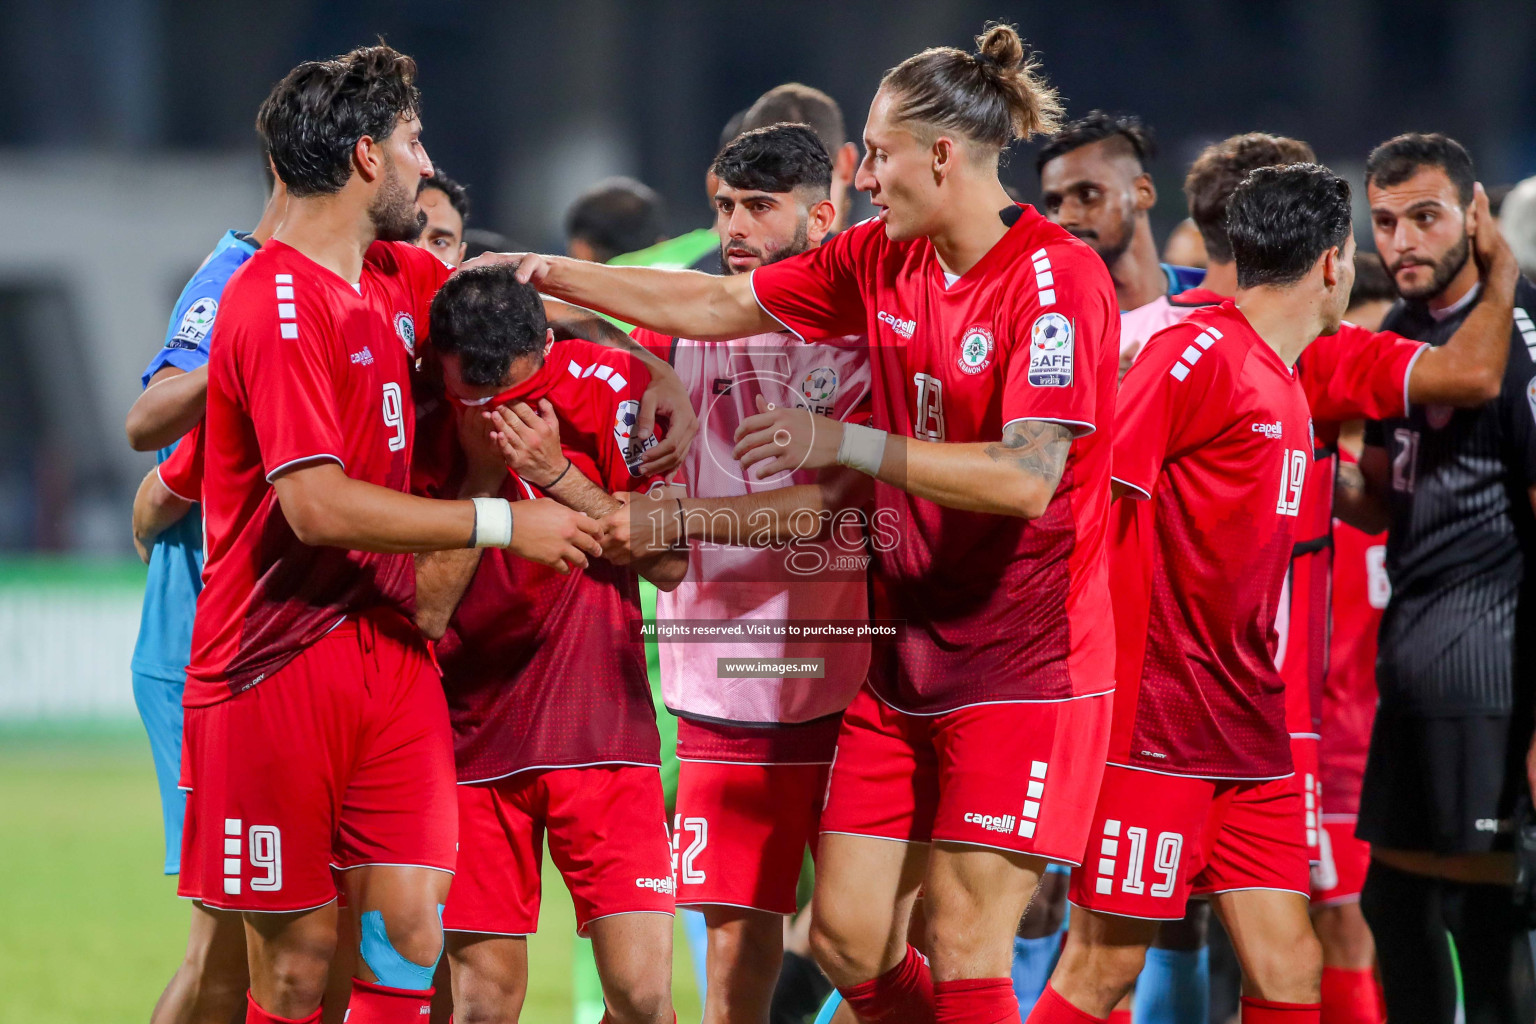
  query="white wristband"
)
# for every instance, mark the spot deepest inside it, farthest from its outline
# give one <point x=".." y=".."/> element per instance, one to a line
<point x="493" y="523"/>
<point x="862" y="448"/>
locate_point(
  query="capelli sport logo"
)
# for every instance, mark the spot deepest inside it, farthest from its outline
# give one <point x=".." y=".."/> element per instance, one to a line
<point x="900" y="326"/>
<point x="1273" y="431"/>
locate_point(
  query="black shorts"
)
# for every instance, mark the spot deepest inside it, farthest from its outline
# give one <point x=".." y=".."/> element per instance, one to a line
<point x="1443" y="785"/>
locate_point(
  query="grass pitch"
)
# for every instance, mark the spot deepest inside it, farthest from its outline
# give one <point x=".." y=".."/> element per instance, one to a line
<point x="90" y="930"/>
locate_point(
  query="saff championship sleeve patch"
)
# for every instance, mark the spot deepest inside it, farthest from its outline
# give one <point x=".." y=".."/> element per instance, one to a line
<point x="195" y="324"/>
<point x="624" y="433"/>
<point x="1051" y="348"/>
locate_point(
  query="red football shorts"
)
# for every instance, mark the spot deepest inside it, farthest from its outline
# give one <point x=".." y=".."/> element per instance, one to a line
<point x="1011" y="776"/>
<point x="1160" y="839"/>
<point x="1340" y="874"/>
<point x="741" y="831"/>
<point x="607" y="829"/>
<point x="342" y="758"/>
<point x="1308" y="781"/>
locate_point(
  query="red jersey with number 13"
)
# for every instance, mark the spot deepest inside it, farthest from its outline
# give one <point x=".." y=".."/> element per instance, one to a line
<point x="995" y="607"/>
<point x="1215" y="437"/>
<point x="306" y="367"/>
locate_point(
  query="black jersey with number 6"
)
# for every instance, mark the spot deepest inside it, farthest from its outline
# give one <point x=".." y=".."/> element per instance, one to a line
<point x="1461" y="553"/>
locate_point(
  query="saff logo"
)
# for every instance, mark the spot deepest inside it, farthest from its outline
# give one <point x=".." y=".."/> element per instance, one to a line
<point x="975" y="350"/>
<point x="406" y="328"/>
<point x="819" y="385"/>
<point x="1051" y="351"/>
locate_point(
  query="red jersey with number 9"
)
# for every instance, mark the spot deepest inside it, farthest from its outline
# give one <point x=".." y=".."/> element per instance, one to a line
<point x="995" y="607"/>
<point x="1215" y="437"/>
<point x="306" y="367"/>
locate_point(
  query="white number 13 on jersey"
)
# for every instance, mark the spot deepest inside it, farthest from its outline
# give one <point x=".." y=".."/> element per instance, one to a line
<point x="394" y="415"/>
<point x="1293" y="474"/>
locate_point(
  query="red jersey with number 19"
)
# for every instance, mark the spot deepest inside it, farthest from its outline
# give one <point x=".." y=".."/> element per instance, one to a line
<point x="1215" y="435"/>
<point x="995" y="607"/>
<point x="307" y="367"/>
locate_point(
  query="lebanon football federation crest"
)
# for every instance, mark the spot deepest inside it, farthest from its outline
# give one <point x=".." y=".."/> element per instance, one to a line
<point x="1050" y="351"/>
<point x="624" y="433"/>
<point x="406" y="328"/>
<point x="975" y="350"/>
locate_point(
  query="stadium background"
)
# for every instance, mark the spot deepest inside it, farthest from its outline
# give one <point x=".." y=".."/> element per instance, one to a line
<point x="126" y="147"/>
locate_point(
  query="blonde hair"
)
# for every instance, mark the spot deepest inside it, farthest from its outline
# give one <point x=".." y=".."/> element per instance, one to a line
<point x="991" y="97"/>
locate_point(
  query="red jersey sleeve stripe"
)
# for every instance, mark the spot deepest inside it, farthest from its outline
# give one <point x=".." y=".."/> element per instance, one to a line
<point x="1080" y="428"/>
<point x="173" y="490"/>
<point x="323" y="457"/>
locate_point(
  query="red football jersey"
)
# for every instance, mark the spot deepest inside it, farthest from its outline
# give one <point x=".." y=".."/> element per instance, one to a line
<point x="544" y="670"/>
<point x="306" y="367"/>
<point x="1360" y="592"/>
<point x="996" y="608"/>
<point x="1351" y="374"/>
<point x="182" y="472"/>
<point x="1215" y="434"/>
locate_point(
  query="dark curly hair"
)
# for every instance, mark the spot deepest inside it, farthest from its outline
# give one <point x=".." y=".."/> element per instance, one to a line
<point x="1281" y="219"/>
<point x="779" y="158"/>
<point x="313" y="118"/>
<point x="486" y="318"/>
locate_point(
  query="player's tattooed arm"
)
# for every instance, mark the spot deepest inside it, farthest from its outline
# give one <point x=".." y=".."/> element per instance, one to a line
<point x="1034" y="447"/>
<point x="1360" y="492"/>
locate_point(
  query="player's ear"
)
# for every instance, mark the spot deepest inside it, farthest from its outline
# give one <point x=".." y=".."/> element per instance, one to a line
<point x="1331" y="260"/>
<point x="819" y="221"/>
<point x="1146" y="191"/>
<point x="944" y="153"/>
<point x="368" y="156"/>
<point x="549" y="340"/>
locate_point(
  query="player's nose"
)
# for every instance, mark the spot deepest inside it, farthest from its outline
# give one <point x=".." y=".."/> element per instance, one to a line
<point x="426" y="163"/>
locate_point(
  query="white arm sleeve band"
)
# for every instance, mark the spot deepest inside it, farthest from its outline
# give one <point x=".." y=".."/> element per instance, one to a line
<point x="862" y="448"/>
<point x="493" y="522"/>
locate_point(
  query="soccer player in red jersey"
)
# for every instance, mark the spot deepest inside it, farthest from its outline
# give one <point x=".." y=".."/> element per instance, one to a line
<point x="754" y="753"/>
<point x="554" y="730"/>
<point x="316" y="735"/>
<point x="974" y="754"/>
<point x="1214" y="441"/>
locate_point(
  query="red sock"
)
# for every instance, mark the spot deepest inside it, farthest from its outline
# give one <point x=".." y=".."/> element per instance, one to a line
<point x="1119" y="1017"/>
<point x="975" y="1001"/>
<point x="379" y="1004"/>
<point x="1351" y="997"/>
<point x="902" y="995"/>
<point x="1054" y="1009"/>
<point x="606" y="1019"/>
<point x="256" y="1015"/>
<point x="1262" y="1011"/>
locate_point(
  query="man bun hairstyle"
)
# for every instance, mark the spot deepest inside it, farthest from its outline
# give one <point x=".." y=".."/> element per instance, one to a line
<point x="779" y="158"/>
<point x="1281" y="219"/>
<point x="1220" y="168"/>
<point x="990" y="97"/>
<point x="488" y="319"/>
<point x="1398" y="159"/>
<point x="312" y="119"/>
